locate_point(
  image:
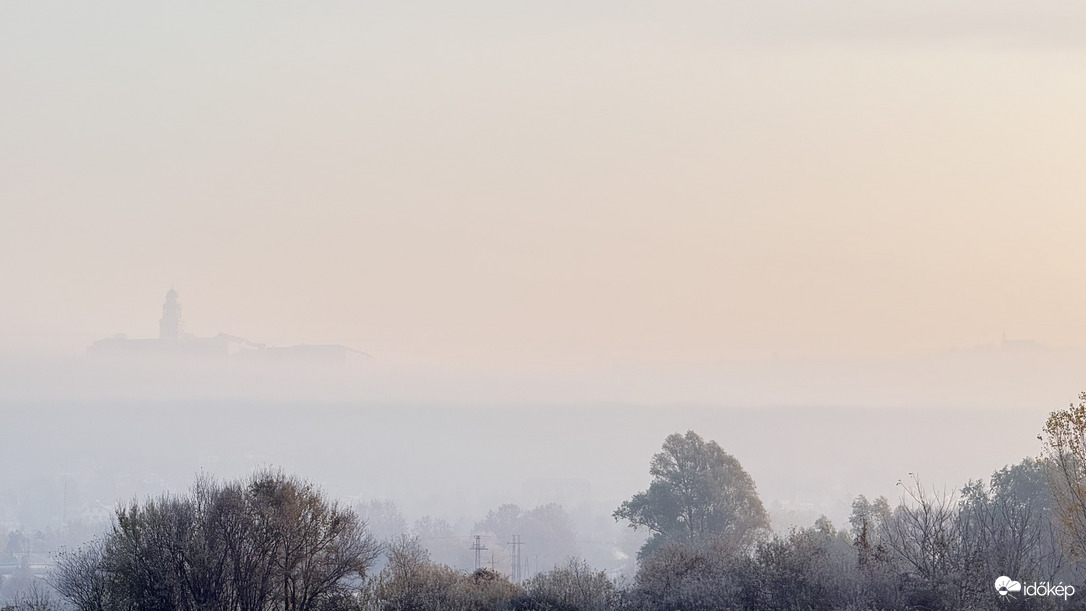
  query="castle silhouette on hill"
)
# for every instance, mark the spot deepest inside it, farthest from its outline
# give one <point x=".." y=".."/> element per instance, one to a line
<point x="173" y="342"/>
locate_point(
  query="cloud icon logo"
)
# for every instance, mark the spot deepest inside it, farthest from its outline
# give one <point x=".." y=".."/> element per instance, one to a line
<point x="1005" y="585"/>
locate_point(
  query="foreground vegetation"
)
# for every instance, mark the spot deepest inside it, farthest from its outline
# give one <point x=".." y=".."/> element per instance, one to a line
<point x="274" y="542"/>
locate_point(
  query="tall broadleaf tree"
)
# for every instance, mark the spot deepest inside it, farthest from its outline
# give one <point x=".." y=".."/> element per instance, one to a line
<point x="699" y="495"/>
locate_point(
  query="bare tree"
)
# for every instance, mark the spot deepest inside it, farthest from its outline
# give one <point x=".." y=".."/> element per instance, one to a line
<point x="269" y="543"/>
<point x="36" y="596"/>
<point x="411" y="582"/>
<point x="929" y="539"/>
<point x="573" y="586"/>
<point x="1065" y="452"/>
<point x="321" y="544"/>
<point x="81" y="578"/>
<point x="1011" y="523"/>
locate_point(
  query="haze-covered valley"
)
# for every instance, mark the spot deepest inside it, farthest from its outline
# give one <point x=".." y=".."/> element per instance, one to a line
<point x="113" y="431"/>
<point x="519" y="276"/>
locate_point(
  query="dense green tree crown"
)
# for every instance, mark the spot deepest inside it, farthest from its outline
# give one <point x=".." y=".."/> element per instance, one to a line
<point x="699" y="494"/>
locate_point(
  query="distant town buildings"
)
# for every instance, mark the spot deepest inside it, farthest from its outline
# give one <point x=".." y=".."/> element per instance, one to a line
<point x="173" y="342"/>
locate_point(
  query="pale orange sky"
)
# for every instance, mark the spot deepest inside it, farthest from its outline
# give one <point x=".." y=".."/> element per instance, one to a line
<point x="578" y="182"/>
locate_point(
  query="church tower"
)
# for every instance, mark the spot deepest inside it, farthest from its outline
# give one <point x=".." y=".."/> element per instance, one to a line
<point x="170" y="326"/>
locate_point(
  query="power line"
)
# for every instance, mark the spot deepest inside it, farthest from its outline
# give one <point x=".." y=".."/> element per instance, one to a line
<point x="478" y="547"/>
<point x="514" y="559"/>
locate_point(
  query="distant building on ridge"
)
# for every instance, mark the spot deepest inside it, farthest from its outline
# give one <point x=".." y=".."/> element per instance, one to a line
<point x="173" y="342"/>
<point x="170" y="327"/>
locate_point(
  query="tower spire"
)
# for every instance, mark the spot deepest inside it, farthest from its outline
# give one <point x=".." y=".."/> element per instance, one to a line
<point x="171" y="326"/>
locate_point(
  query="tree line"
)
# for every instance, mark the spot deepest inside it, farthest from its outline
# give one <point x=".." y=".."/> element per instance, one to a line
<point x="274" y="542"/>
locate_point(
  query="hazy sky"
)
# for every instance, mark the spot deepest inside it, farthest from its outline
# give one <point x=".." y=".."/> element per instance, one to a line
<point x="499" y="182"/>
<point x="596" y="204"/>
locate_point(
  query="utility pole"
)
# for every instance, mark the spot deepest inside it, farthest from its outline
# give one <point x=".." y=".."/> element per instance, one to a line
<point x="514" y="559"/>
<point x="478" y="547"/>
<point x="67" y="494"/>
